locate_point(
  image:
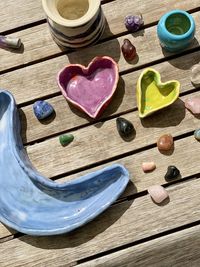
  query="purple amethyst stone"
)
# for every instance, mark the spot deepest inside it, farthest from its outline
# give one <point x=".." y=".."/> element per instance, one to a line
<point x="133" y="23"/>
<point x="42" y="109"/>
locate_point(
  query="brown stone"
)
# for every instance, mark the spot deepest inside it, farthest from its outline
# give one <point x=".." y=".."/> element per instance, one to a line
<point x="165" y="142"/>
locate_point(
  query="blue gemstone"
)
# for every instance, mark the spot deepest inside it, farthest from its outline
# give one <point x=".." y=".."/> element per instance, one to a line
<point x="35" y="205"/>
<point x="42" y="109"/>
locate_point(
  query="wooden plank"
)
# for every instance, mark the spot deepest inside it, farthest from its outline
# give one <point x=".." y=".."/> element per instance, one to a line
<point x="15" y="14"/>
<point x="123" y="100"/>
<point x="177" y="250"/>
<point x="5" y="231"/>
<point x="123" y="223"/>
<point x="32" y="11"/>
<point x="141" y="181"/>
<point x="38" y="45"/>
<point x="39" y="80"/>
<point x="101" y="141"/>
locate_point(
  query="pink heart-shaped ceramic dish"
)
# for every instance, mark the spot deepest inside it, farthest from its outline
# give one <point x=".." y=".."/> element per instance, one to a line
<point x="90" y="88"/>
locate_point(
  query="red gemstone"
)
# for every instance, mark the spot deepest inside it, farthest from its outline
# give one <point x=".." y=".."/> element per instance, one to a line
<point x="128" y="50"/>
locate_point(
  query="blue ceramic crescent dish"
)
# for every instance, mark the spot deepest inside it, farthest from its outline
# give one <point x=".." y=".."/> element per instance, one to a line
<point x="35" y="205"/>
<point x="176" y="30"/>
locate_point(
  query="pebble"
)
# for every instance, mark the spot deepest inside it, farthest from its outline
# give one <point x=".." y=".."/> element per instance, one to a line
<point x="128" y="50"/>
<point x="125" y="128"/>
<point x="42" y="109"/>
<point x="65" y="139"/>
<point x="158" y="193"/>
<point x="165" y="142"/>
<point x="193" y="104"/>
<point x="195" y="74"/>
<point x="172" y="173"/>
<point x="197" y="134"/>
<point x="10" y="42"/>
<point x="148" y="166"/>
<point x="133" y="22"/>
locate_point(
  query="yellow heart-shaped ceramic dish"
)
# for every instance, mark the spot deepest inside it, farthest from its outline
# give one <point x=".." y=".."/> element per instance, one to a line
<point x="152" y="94"/>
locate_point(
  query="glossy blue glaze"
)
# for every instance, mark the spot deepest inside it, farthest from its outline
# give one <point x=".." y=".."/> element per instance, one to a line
<point x="35" y="205"/>
<point x="176" y="30"/>
<point x="42" y="109"/>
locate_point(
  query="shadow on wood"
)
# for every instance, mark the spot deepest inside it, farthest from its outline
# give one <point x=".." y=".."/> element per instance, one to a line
<point x="169" y="116"/>
<point x="85" y="55"/>
<point x="83" y="234"/>
<point x="178" y="62"/>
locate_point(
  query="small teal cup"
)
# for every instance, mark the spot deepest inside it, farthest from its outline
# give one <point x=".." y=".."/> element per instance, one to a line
<point x="176" y="30"/>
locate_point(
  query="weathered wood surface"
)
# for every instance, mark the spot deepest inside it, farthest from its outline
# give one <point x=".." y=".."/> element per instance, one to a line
<point x="5" y="232"/>
<point x="43" y="75"/>
<point x="178" y="249"/>
<point x="129" y="220"/>
<point x="38" y="43"/>
<point x="119" y="225"/>
<point x="17" y="13"/>
<point x="141" y="181"/>
<point x="124" y="100"/>
<point x="103" y="141"/>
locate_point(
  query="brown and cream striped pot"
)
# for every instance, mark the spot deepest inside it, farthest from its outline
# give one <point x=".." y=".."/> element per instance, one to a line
<point x="75" y="23"/>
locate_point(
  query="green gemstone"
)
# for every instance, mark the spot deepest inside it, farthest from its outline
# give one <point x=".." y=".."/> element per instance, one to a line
<point x="65" y="139"/>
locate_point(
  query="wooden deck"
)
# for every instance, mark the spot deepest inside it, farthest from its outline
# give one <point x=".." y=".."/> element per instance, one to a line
<point x="134" y="231"/>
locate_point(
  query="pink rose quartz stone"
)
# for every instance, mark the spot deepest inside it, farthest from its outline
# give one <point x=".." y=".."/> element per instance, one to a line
<point x="193" y="104"/>
<point x="157" y="193"/>
<point x="148" y="166"/>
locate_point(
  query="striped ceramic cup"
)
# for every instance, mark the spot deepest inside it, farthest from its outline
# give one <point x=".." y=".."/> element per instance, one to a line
<point x="75" y="23"/>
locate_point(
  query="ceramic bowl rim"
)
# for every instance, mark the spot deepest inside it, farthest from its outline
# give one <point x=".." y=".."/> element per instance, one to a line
<point x="86" y="68"/>
<point x="92" y="10"/>
<point x="180" y="36"/>
<point x="139" y="91"/>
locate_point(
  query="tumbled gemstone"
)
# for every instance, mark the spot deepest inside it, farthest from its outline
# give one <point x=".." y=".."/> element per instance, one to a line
<point x="42" y="109"/>
<point x="197" y="134"/>
<point x="125" y="128"/>
<point x="195" y="74"/>
<point x="165" y="142"/>
<point x="128" y="50"/>
<point x="65" y="139"/>
<point x="157" y="193"/>
<point x="148" y="166"/>
<point x="193" y="104"/>
<point x="133" y="22"/>
<point x="172" y="173"/>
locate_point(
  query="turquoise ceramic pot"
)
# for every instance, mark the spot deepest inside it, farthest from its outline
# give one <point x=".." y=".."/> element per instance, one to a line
<point x="176" y="30"/>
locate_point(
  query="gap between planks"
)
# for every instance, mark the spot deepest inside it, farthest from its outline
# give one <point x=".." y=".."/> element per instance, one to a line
<point x="124" y="99"/>
<point x="123" y="224"/>
<point x="25" y="16"/>
<point x="104" y="144"/>
<point x="175" y="248"/>
<point x="45" y="49"/>
<point x="43" y="75"/>
<point x="141" y="181"/>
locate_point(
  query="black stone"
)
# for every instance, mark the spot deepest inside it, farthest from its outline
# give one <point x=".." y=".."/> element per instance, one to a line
<point x="172" y="173"/>
<point x="125" y="128"/>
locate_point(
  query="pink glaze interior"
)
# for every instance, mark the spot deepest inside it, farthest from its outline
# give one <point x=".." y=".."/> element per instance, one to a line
<point x="89" y="88"/>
